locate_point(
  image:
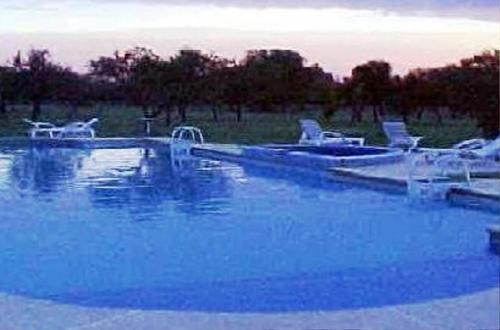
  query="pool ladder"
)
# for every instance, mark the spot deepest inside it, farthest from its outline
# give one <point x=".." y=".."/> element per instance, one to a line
<point x="181" y="143"/>
<point x="427" y="180"/>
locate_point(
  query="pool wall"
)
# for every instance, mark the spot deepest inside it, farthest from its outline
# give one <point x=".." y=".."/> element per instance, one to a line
<point x="97" y="143"/>
<point x="305" y="158"/>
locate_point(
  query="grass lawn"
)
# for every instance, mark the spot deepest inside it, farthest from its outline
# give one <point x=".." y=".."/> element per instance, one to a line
<point x="255" y="128"/>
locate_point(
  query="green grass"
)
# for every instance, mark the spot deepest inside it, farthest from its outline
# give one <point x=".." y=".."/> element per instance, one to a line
<point x="254" y="129"/>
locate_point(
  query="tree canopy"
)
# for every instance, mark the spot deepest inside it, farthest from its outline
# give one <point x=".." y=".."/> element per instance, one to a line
<point x="276" y="80"/>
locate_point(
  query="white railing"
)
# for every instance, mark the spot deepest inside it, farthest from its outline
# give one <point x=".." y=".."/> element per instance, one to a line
<point x="183" y="138"/>
<point x="427" y="179"/>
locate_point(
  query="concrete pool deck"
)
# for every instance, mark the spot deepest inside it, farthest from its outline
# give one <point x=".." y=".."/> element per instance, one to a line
<point x="475" y="311"/>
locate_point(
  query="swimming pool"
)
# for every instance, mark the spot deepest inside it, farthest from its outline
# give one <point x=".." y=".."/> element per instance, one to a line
<point x="123" y="228"/>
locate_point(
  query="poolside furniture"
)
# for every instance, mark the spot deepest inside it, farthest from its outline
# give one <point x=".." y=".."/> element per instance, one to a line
<point x="312" y="134"/>
<point x="398" y="135"/>
<point x="486" y="157"/>
<point x="41" y="128"/>
<point x="78" y="129"/>
<point x="470" y="144"/>
<point x="490" y="150"/>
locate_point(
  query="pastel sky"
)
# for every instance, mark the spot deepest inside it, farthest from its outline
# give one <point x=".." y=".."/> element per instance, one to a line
<point x="337" y="34"/>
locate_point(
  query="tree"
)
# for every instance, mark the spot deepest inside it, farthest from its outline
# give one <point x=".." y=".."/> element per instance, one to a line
<point x="38" y="77"/>
<point x="275" y="77"/>
<point x="235" y="88"/>
<point x="190" y="67"/>
<point x="144" y="80"/>
<point x="110" y="76"/>
<point x="211" y="85"/>
<point x="481" y="90"/>
<point x="372" y="86"/>
<point x="8" y="87"/>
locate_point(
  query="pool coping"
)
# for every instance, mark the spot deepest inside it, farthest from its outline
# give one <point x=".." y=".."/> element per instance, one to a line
<point x="455" y="195"/>
<point x="478" y="310"/>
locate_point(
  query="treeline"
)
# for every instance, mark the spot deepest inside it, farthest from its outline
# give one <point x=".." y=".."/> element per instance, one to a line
<point x="264" y="80"/>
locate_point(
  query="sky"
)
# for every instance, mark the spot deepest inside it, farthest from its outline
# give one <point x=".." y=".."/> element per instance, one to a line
<point x="337" y="34"/>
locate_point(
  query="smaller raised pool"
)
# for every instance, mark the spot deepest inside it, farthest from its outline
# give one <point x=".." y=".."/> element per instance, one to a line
<point x="324" y="156"/>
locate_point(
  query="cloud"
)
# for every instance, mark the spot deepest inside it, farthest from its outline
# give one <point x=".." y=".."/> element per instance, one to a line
<point x="474" y="9"/>
<point x="389" y="5"/>
<point x="480" y="9"/>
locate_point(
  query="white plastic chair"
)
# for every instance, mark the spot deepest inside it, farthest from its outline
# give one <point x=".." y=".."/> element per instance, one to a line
<point x="312" y="134"/>
<point x="41" y="128"/>
<point x="489" y="150"/>
<point x="78" y="129"/>
<point x="486" y="157"/>
<point x="398" y="135"/>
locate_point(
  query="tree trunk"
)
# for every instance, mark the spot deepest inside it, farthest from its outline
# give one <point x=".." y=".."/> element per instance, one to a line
<point x="302" y="107"/>
<point x="36" y="110"/>
<point x="286" y="109"/>
<point x="420" y="112"/>
<point x="375" y="114"/>
<point x="3" y="107"/>
<point x="184" y="114"/>
<point x="356" y="114"/>
<point x="453" y="113"/>
<point x="238" y="112"/>
<point x="353" y="114"/>
<point x="145" y="111"/>
<point x="215" y="115"/>
<point x="382" y="110"/>
<point x="437" y="113"/>
<point x="181" y="110"/>
<point x="404" y="113"/>
<point x="168" y="119"/>
<point x="359" y="114"/>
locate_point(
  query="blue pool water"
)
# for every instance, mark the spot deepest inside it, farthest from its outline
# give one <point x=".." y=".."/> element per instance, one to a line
<point x="123" y="228"/>
<point x="335" y="150"/>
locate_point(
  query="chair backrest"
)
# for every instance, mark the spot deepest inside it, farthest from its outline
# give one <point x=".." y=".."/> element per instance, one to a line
<point x="311" y="129"/>
<point x="39" y="124"/>
<point x="29" y="121"/>
<point x="80" y="125"/>
<point x="395" y="130"/>
<point x="92" y="122"/>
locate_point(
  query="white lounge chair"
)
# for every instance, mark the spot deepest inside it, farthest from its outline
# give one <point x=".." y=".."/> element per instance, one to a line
<point x="469" y="149"/>
<point x="398" y="135"/>
<point x="490" y="150"/>
<point x="41" y="128"/>
<point x="78" y="129"/>
<point x="470" y="144"/>
<point x="485" y="159"/>
<point x="312" y="134"/>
